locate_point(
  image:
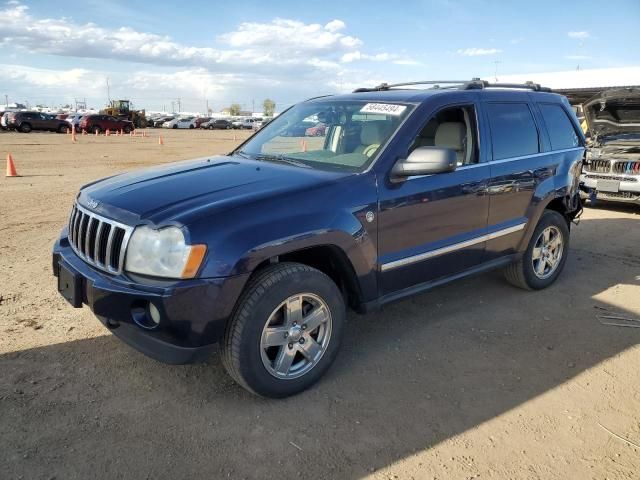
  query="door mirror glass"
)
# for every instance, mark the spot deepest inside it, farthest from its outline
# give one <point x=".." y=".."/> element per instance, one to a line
<point x="426" y="161"/>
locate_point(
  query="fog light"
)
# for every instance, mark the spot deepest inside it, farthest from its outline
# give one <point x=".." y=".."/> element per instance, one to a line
<point x="145" y="314"/>
<point x="154" y="313"/>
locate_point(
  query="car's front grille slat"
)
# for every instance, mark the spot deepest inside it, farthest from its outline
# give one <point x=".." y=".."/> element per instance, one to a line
<point x="599" y="166"/>
<point x="97" y="240"/>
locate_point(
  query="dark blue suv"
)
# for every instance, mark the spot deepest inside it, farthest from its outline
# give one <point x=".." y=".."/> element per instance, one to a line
<point x="263" y="249"/>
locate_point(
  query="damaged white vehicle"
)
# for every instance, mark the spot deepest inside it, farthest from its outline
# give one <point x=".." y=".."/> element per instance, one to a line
<point x="612" y="168"/>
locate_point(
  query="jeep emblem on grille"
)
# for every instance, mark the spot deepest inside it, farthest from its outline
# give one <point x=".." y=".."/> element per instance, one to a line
<point x="91" y="203"/>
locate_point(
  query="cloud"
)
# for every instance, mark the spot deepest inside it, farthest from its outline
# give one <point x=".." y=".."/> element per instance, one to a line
<point x="291" y="35"/>
<point x="474" y="52"/>
<point x="252" y="46"/>
<point x="579" y="35"/>
<point x="378" y="57"/>
<point x="283" y="56"/>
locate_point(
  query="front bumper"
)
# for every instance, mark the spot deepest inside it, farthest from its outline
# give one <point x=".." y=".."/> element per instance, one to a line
<point x="193" y="312"/>
<point x="628" y="190"/>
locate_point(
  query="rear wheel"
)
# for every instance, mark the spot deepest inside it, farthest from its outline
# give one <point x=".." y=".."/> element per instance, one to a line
<point x="285" y="332"/>
<point x="25" y="127"/>
<point x="62" y="129"/>
<point x="545" y="256"/>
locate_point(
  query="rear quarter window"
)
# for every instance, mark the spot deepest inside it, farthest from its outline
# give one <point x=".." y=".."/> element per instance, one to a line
<point x="513" y="130"/>
<point x="561" y="132"/>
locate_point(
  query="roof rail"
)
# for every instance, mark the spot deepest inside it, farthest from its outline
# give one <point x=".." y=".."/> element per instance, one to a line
<point x="474" y="83"/>
<point x="386" y="86"/>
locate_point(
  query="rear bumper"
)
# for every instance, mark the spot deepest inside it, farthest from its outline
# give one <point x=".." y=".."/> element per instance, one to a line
<point x="193" y="313"/>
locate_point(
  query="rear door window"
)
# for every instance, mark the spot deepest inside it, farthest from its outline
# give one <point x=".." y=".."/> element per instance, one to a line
<point x="513" y="130"/>
<point x="560" y="129"/>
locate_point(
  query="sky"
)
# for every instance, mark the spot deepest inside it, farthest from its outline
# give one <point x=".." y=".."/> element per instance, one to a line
<point x="220" y="52"/>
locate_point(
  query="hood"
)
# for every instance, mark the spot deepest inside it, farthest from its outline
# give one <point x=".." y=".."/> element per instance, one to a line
<point x="184" y="191"/>
<point x="614" y="113"/>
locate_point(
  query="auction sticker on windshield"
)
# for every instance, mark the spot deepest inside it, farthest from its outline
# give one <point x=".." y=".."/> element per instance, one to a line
<point x="386" y="108"/>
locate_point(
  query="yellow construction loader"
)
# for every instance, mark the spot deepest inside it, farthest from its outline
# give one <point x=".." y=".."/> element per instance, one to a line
<point x="122" y="109"/>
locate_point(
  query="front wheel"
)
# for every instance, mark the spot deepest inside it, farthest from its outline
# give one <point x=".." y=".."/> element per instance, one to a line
<point x="285" y="332"/>
<point x="25" y="128"/>
<point x="545" y="256"/>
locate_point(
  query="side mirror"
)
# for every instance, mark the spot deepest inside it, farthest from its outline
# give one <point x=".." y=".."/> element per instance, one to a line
<point x="426" y="161"/>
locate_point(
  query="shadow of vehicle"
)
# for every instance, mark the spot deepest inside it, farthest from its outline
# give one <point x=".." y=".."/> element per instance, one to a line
<point x="418" y="373"/>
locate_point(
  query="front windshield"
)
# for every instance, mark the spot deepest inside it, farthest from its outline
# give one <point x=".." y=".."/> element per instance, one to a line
<point x="328" y="134"/>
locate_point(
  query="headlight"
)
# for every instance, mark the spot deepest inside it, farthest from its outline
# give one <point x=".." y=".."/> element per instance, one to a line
<point x="163" y="253"/>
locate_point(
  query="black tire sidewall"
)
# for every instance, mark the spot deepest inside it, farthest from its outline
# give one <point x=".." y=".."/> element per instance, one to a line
<point x="549" y="218"/>
<point x="251" y="367"/>
<point x="25" y="128"/>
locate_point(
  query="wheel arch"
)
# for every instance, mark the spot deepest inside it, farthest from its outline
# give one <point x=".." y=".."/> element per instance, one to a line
<point x="331" y="260"/>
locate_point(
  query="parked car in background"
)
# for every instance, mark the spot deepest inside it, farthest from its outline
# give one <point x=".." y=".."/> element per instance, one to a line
<point x="217" y="124"/>
<point x="74" y="120"/>
<point x="317" y="130"/>
<point x="612" y="168"/>
<point x="158" y="121"/>
<point x="263" y="250"/>
<point x="102" y="123"/>
<point x="198" y="121"/>
<point x="27" y="121"/>
<point x="246" y="123"/>
<point x="180" y="122"/>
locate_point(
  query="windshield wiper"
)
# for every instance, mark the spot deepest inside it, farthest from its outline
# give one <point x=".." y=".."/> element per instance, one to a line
<point x="242" y="154"/>
<point x="281" y="158"/>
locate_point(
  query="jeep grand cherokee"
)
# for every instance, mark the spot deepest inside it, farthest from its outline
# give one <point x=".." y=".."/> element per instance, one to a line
<point x="263" y="249"/>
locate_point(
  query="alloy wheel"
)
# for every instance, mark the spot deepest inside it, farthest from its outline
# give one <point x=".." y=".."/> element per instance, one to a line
<point x="296" y="336"/>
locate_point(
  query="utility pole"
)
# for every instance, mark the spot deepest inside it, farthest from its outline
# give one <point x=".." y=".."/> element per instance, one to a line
<point x="253" y="106"/>
<point x="495" y="71"/>
<point x="108" y="91"/>
<point x="6" y="99"/>
<point x="179" y="105"/>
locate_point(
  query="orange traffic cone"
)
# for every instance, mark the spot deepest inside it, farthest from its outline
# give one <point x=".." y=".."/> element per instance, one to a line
<point x="160" y="140"/>
<point x="84" y="132"/>
<point x="121" y="132"/>
<point x="303" y="144"/>
<point x="68" y="131"/>
<point x="96" y="132"/>
<point x="73" y="134"/>
<point x="107" y="133"/>
<point x="11" y="168"/>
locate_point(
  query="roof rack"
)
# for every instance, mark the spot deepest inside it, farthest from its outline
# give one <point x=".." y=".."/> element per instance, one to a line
<point x="473" y="84"/>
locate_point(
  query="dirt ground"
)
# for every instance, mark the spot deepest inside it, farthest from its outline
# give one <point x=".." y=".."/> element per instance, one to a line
<point x="473" y="380"/>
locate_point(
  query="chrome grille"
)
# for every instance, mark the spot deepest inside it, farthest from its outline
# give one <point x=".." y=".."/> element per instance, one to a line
<point x="97" y="240"/>
<point x="627" y="167"/>
<point x="598" y="166"/>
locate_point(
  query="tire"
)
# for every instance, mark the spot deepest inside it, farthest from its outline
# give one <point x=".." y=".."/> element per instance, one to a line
<point x="228" y="127"/>
<point x="523" y="273"/>
<point x="250" y="363"/>
<point x="190" y="127"/>
<point x="175" y="127"/>
<point x="62" y="129"/>
<point x="127" y="129"/>
<point x="210" y="127"/>
<point x="25" y="127"/>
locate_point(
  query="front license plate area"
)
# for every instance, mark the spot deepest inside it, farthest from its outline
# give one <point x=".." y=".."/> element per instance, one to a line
<point x="608" y="185"/>
<point x="70" y="286"/>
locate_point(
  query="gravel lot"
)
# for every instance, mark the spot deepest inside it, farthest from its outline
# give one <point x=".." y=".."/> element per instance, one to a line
<point x="473" y="380"/>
